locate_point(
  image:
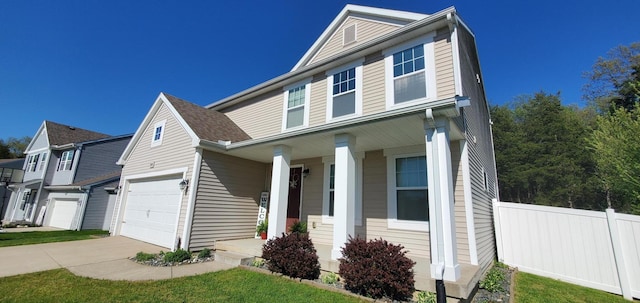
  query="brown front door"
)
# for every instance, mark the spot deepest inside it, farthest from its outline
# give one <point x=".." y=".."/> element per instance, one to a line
<point x="295" y="189"/>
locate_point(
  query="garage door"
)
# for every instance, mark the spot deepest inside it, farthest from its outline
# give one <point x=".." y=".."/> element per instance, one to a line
<point x="63" y="213"/>
<point x="151" y="211"/>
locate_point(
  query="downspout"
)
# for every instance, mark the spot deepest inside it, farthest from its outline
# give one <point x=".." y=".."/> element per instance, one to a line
<point x="193" y="187"/>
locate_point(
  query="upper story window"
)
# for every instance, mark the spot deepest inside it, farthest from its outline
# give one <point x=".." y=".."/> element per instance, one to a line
<point x="410" y="73"/>
<point x="43" y="161"/>
<point x="158" y="133"/>
<point x="32" y="163"/>
<point x="66" y="160"/>
<point x="344" y="87"/>
<point x="407" y="191"/>
<point x="296" y="105"/>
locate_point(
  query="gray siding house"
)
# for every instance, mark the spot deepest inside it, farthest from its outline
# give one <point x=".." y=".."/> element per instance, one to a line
<point x="381" y="130"/>
<point x="70" y="179"/>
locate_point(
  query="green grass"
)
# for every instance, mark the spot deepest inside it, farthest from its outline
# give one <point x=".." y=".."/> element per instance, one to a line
<point x="235" y="285"/>
<point x="37" y="237"/>
<point x="532" y="289"/>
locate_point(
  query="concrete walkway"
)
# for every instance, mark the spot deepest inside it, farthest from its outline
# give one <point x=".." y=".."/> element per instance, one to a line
<point x="104" y="258"/>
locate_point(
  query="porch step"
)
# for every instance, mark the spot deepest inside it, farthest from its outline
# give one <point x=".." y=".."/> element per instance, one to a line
<point x="232" y="258"/>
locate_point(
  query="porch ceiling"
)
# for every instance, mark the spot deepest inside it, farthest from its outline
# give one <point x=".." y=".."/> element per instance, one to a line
<point x="388" y="133"/>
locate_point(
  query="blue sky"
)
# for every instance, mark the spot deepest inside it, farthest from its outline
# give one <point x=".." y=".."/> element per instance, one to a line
<point x="100" y="65"/>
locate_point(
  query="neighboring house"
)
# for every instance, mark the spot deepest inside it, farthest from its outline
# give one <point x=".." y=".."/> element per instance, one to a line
<point x="381" y="130"/>
<point x="10" y="172"/>
<point x="70" y="179"/>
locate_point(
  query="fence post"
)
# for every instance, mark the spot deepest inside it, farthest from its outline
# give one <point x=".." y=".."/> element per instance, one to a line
<point x="497" y="229"/>
<point x="618" y="254"/>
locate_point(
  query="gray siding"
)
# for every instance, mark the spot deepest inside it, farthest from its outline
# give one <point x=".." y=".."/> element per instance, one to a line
<point x="64" y="177"/>
<point x="40" y="141"/>
<point x="227" y="200"/>
<point x="100" y="158"/>
<point x="481" y="154"/>
<point x="98" y="212"/>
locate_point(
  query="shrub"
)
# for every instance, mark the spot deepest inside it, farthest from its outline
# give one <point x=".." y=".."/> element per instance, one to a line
<point x="494" y="280"/>
<point x="292" y="255"/>
<point x="298" y="227"/>
<point x="205" y="253"/>
<point x="143" y="257"/>
<point x="426" y="297"/>
<point x="257" y="263"/>
<point x="377" y="269"/>
<point x="177" y="256"/>
<point x="330" y="278"/>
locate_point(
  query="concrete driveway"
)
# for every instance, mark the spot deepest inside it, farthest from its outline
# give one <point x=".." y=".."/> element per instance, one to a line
<point x="104" y="258"/>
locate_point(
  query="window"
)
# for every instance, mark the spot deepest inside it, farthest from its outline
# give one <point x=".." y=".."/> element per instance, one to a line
<point x="158" y="133"/>
<point x="43" y="161"/>
<point x="407" y="189"/>
<point x="344" y="97"/>
<point x="66" y="160"/>
<point x="296" y="105"/>
<point x="328" y="206"/>
<point x="410" y="73"/>
<point x="32" y="163"/>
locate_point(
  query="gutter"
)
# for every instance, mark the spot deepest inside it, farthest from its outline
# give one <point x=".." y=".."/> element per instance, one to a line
<point x="66" y="187"/>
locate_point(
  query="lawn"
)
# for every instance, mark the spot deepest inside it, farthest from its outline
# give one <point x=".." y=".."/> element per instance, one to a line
<point x="37" y="237"/>
<point x="532" y="289"/>
<point x="235" y="285"/>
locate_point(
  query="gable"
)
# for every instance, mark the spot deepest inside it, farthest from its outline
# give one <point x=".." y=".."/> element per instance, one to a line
<point x="40" y="140"/>
<point x="365" y="29"/>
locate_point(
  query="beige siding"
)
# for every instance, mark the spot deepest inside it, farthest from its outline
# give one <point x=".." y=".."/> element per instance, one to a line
<point x="175" y="152"/>
<point x="365" y="30"/>
<point x="445" y="84"/>
<point x="318" y="102"/>
<point x="373" y="86"/>
<point x="459" y="206"/>
<point x="227" y="199"/>
<point x="260" y="116"/>
<point x="480" y="150"/>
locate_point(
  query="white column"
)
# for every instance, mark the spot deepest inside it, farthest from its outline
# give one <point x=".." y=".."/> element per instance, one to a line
<point x="441" y="209"/>
<point x="344" y="193"/>
<point x="279" y="191"/>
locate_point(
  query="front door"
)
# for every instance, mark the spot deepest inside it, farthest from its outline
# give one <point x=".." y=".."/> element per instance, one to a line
<point x="295" y="191"/>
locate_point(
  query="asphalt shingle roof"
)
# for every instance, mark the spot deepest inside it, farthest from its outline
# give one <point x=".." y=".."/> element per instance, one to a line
<point x="60" y="134"/>
<point x="208" y="124"/>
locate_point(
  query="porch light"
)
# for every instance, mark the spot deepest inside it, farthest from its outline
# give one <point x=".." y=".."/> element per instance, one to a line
<point x="183" y="184"/>
<point x="306" y="173"/>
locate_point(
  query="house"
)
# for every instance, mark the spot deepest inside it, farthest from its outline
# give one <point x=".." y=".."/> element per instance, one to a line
<point x="381" y="130"/>
<point x="10" y="172"/>
<point x="70" y="179"/>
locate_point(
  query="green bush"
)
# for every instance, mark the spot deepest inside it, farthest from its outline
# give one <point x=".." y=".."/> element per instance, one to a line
<point x="426" y="297"/>
<point x="177" y="256"/>
<point x="330" y="278"/>
<point x="494" y="280"/>
<point x="142" y="257"/>
<point x="205" y="253"/>
<point x="298" y="227"/>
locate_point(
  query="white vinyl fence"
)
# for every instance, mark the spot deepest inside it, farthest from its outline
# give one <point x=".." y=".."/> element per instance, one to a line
<point x="594" y="249"/>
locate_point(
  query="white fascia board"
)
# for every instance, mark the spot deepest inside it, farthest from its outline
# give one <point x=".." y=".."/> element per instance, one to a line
<point x="181" y="121"/>
<point x="350" y="8"/>
<point x="416" y="28"/>
<point x="40" y="132"/>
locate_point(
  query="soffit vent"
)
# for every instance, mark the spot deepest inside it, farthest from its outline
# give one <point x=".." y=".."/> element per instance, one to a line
<point x="349" y="34"/>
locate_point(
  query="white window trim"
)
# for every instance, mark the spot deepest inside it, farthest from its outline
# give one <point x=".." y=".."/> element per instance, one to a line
<point x="328" y="161"/>
<point x="43" y="159"/>
<point x="358" y="91"/>
<point x="61" y="166"/>
<point x="392" y="203"/>
<point x="162" y="131"/>
<point x="429" y="69"/>
<point x="285" y="108"/>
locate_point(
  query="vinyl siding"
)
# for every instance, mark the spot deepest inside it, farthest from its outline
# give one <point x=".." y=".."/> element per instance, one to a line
<point x="445" y="84"/>
<point x="40" y="141"/>
<point x="481" y="155"/>
<point x="365" y="30"/>
<point x="267" y="109"/>
<point x="312" y="199"/>
<point x="459" y="205"/>
<point x="100" y="158"/>
<point x="98" y="211"/>
<point x="318" y="102"/>
<point x="65" y="177"/>
<point x="373" y="86"/>
<point x="227" y="199"/>
<point x="174" y="152"/>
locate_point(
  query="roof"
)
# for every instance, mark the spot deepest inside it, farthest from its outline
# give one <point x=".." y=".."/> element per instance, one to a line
<point x="114" y="175"/>
<point x="12" y="163"/>
<point x="60" y="134"/>
<point x="208" y="124"/>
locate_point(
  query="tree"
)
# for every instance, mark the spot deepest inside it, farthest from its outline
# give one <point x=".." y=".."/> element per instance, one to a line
<point x="4" y="151"/>
<point x="617" y="146"/>
<point x="614" y="80"/>
<point x="18" y="146"/>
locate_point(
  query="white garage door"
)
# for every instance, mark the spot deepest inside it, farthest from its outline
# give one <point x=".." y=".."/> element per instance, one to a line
<point x="63" y="213"/>
<point x="151" y="211"/>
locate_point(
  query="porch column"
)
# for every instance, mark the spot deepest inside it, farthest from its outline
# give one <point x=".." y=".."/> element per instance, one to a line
<point x="344" y="192"/>
<point x="279" y="191"/>
<point x="441" y="209"/>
